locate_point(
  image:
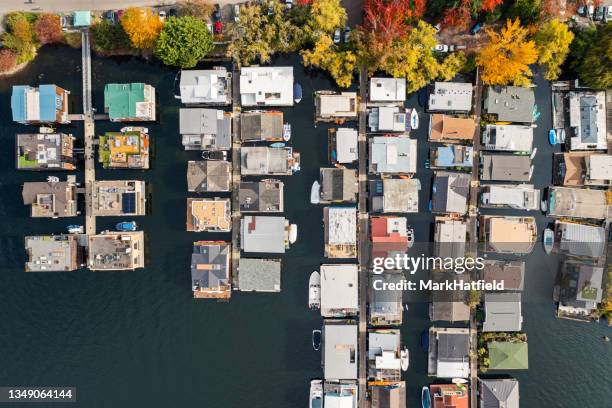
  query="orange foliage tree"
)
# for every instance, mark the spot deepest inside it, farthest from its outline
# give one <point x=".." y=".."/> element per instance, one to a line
<point x="506" y="58"/>
<point x="461" y="14"/>
<point x="8" y="59"/>
<point x="142" y="27"/>
<point x="48" y="29"/>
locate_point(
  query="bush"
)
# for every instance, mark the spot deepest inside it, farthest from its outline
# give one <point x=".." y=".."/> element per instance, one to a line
<point x="8" y="60"/>
<point x="48" y="29"/>
<point x="109" y="37"/>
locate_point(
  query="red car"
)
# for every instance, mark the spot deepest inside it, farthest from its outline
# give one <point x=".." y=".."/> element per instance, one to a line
<point x="218" y="27"/>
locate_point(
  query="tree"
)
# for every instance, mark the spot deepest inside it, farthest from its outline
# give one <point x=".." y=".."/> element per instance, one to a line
<point x="8" y="60"/>
<point x="473" y="298"/>
<point x="553" y="40"/>
<point x="595" y="70"/>
<point x="109" y="37"/>
<point x="528" y="11"/>
<point x="184" y="42"/>
<point x="506" y="58"/>
<point x="461" y="12"/>
<point x="48" y="29"/>
<point x="201" y="9"/>
<point x="142" y="27"/>
<point x="325" y="55"/>
<point x="326" y="16"/>
<point x="19" y="36"/>
<point x="411" y="57"/>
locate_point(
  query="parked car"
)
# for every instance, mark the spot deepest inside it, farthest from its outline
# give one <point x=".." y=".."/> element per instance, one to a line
<point x="236" y="12"/>
<point x="66" y="21"/>
<point x="476" y="28"/>
<point x="441" y="48"/>
<point x="582" y="10"/>
<point x="347" y="34"/>
<point x="599" y="13"/>
<point x="162" y="15"/>
<point x="270" y="8"/>
<point x="337" y="36"/>
<point x="172" y="12"/>
<point x="110" y="16"/>
<point x="288" y="4"/>
<point x="217" y="12"/>
<point x="218" y="27"/>
<point x="590" y="11"/>
<point x="607" y="14"/>
<point x="437" y="27"/>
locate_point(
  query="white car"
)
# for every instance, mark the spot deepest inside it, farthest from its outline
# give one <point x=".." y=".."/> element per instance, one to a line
<point x="162" y="15"/>
<point x="288" y="4"/>
<point x="441" y="48"/>
<point x="236" y="12"/>
<point x="337" y="36"/>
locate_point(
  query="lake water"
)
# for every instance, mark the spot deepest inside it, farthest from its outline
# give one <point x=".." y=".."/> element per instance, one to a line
<point x="138" y="338"/>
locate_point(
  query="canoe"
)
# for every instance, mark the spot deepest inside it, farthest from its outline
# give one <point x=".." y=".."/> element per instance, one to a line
<point x="277" y="145"/>
<point x="548" y="240"/>
<point x="425" y="397"/>
<point x="414" y="119"/>
<point x="314" y="290"/>
<point x="552" y="137"/>
<point x="315" y="193"/>
<point x="297" y="92"/>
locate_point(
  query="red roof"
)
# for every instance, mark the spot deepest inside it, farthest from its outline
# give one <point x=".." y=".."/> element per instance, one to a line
<point x="384" y="242"/>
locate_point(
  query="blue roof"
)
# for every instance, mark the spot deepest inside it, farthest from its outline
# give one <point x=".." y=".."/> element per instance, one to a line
<point x="448" y="157"/>
<point x="18" y="104"/>
<point x="48" y="101"/>
<point x="82" y="19"/>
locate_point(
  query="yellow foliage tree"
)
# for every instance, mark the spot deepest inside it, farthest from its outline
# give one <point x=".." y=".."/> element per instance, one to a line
<point x="505" y="59"/>
<point x="142" y="26"/>
<point x="553" y="41"/>
<point x="325" y="55"/>
<point x="327" y="15"/>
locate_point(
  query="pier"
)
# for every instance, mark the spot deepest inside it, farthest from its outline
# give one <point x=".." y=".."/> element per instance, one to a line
<point x="89" y="135"/>
<point x="236" y="108"/>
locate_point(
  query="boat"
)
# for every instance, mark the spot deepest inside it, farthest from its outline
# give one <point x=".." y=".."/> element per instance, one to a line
<point x="425" y="397"/>
<point x="410" y="237"/>
<point x="286" y="132"/>
<point x="126" y="226"/>
<point x="459" y="381"/>
<point x="293" y="233"/>
<point x="316" y="394"/>
<point x="297" y="92"/>
<point x="277" y="145"/>
<point x="52" y="179"/>
<point x="533" y="154"/>
<point x="548" y="240"/>
<point x="561" y="136"/>
<point x="315" y="193"/>
<point x="414" y="119"/>
<point x="75" y="229"/>
<point x="316" y="339"/>
<point x="314" y="290"/>
<point x="214" y="155"/>
<point x="552" y="137"/>
<point x="404" y="358"/>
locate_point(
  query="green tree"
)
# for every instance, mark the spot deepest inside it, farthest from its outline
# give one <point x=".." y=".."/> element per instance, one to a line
<point x="327" y="56"/>
<point x="183" y="42"/>
<point x="528" y="11"/>
<point x="553" y="40"/>
<point x="201" y="9"/>
<point x="108" y="37"/>
<point x="19" y="36"/>
<point x="583" y="40"/>
<point x="595" y="70"/>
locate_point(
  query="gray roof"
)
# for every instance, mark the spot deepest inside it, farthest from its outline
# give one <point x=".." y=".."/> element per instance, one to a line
<point x="510" y="103"/>
<point x="451" y="192"/>
<point x="49" y="253"/>
<point x="259" y="275"/>
<point x="338" y="184"/>
<point x="262" y="234"/>
<point x="449" y="311"/>
<point x="505" y="167"/>
<point x="502" y="312"/>
<point x="588" y="119"/>
<point x="210" y="122"/>
<point x="261" y="196"/>
<point x="266" y="125"/>
<point x="453" y="346"/>
<point x="581" y="239"/>
<point x="261" y="160"/>
<point x="386" y="301"/>
<point x="388" y="397"/>
<point x="215" y="256"/>
<point x="208" y="175"/>
<point x="340" y="352"/>
<point x="499" y="393"/>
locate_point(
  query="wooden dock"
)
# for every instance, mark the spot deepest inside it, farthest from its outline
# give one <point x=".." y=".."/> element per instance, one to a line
<point x="235" y="258"/>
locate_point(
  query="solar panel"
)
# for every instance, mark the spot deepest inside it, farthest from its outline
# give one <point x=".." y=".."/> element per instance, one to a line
<point x="128" y="203"/>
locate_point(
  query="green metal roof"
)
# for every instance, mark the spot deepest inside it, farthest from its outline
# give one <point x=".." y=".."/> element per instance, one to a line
<point x="82" y="18"/>
<point x="508" y="356"/>
<point x="120" y="99"/>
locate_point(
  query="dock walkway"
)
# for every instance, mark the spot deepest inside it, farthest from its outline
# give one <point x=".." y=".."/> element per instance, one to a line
<point x="89" y="134"/>
<point x="236" y="108"/>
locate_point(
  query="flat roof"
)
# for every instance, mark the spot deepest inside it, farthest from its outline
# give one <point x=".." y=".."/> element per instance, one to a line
<point x="340" y="351"/>
<point x="396" y="154"/>
<point x="505" y="167"/>
<point x="336" y="105"/>
<point x="267" y="86"/>
<point x="341" y="225"/>
<point x="116" y="250"/>
<point x="213" y="125"/>
<point x="510" y="103"/>
<point x="260" y="160"/>
<point x="119" y="197"/>
<point x="49" y="151"/>
<point x="51" y="199"/>
<point x="387" y="89"/>
<point x="578" y="202"/>
<point x="51" y="253"/>
<point x="259" y="275"/>
<point x="339" y="289"/>
<point x="394" y="195"/>
<point x="346" y="145"/>
<point x="208" y="214"/>
<point x="509" y="138"/>
<point x="263" y="234"/>
<point x="451" y="96"/>
<point x="205" y="86"/>
<point x="511" y="234"/>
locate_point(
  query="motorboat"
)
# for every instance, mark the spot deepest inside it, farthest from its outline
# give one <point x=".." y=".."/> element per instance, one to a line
<point x="293" y="233"/>
<point x="219" y="155"/>
<point x="286" y="132"/>
<point x="425" y="397"/>
<point x="315" y="193"/>
<point x="135" y="129"/>
<point x="552" y="137"/>
<point x="75" y="229"/>
<point x="459" y="381"/>
<point x="297" y="92"/>
<point x="414" y="119"/>
<point x="548" y="240"/>
<point x="126" y="226"/>
<point x="561" y="136"/>
<point x="410" y="237"/>
<point x="277" y="145"/>
<point x="404" y="358"/>
<point x="316" y="394"/>
<point x="533" y="153"/>
<point x="314" y="290"/>
<point x="316" y="339"/>
<point x="52" y="179"/>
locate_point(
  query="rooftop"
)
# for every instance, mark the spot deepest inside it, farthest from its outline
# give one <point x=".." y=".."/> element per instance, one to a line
<point x="119" y="197"/>
<point x="45" y="151"/>
<point x="392" y="154"/>
<point x="578" y="203"/>
<point x="339" y="290"/>
<point x="386" y="308"/>
<point x="340" y="352"/>
<point x="208" y="176"/>
<point x="266" y="86"/>
<point x="394" y="195"/>
<point x="510" y="103"/>
<point x="338" y="185"/>
<point x="509" y="234"/>
<point x="208" y="214"/>
<point x="341" y="105"/>
<point x="389" y="395"/>
<point x="449" y="129"/>
<point x="261" y="126"/>
<point x="261" y="196"/>
<point x="387" y="119"/>
<point x="505" y="167"/>
<point x="449" y="395"/>
<point x="587" y="117"/>
<point x="498" y="393"/>
<point x="264" y="234"/>
<point x="210" y="272"/>
<point x="511" y="273"/>
<point x="259" y="275"/>
<point x="389" y="236"/>
<point x="51" y="253"/>
<point x="45" y="104"/>
<point x="260" y="160"/>
<point x="452" y="156"/>
<point x="508" y="356"/>
<point x="449" y="352"/>
<point x="340" y="232"/>
<point x="125" y="102"/>
<point x="450" y="192"/>
<point x="211" y="86"/>
<point x="515" y="196"/>
<point x="125" y="150"/>
<point x="205" y="129"/>
<point x="51" y="198"/>
<point x="508" y="138"/>
<point x="450" y="236"/>
<point x="345" y="148"/>
<point x="116" y="251"/>
<point x="580" y="239"/>
<point x="451" y="97"/>
<point x="502" y="312"/>
<point x="387" y="89"/>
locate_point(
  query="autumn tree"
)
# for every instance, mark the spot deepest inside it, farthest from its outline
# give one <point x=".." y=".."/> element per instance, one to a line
<point x="553" y="40"/>
<point x="595" y="70"/>
<point x="48" y="29"/>
<point x="326" y="16"/>
<point x="8" y="60"/>
<point x="201" y="9"/>
<point x="461" y="12"/>
<point x="142" y="27"/>
<point x="325" y="55"/>
<point x="19" y="36"/>
<point x="506" y="58"/>
<point x="108" y="37"/>
<point x="183" y="42"/>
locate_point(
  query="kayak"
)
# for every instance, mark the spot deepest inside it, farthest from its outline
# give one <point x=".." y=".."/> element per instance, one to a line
<point x="552" y="137"/>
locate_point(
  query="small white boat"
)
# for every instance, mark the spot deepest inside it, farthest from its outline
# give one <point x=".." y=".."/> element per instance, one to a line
<point x="316" y="394"/>
<point x="414" y="119"/>
<point x="410" y="236"/>
<point x="286" y="132"/>
<point x="533" y="154"/>
<point x="548" y="240"/>
<point x="315" y="193"/>
<point x="75" y="229"/>
<point x="52" y="179"/>
<point x="314" y="290"/>
<point x="293" y="233"/>
<point x="531" y="169"/>
<point x="404" y="358"/>
<point x="135" y="129"/>
<point x="561" y="136"/>
<point x="459" y="381"/>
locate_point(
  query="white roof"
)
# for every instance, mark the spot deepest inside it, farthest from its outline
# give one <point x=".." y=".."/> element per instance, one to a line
<point x="32" y="98"/>
<point x="510" y="138"/>
<point x="339" y="401"/>
<point x="387" y="89"/>
<point x="340" y="351"/>
<point x="339" y="287"/>
<point x="600" y="167"/>
<point x="203" y="86"/>
<point x="346" y="145"/>
<point x="452" y="231"/>
<point x="267" y="86"/>
<point x="509" y="194"/>
<point x="331" y="105"/>
<point x="342" y="225"/>
<point x="451" y="96"/>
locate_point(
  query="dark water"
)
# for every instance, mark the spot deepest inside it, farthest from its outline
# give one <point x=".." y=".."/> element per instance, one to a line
<point x="138" y="339"/>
